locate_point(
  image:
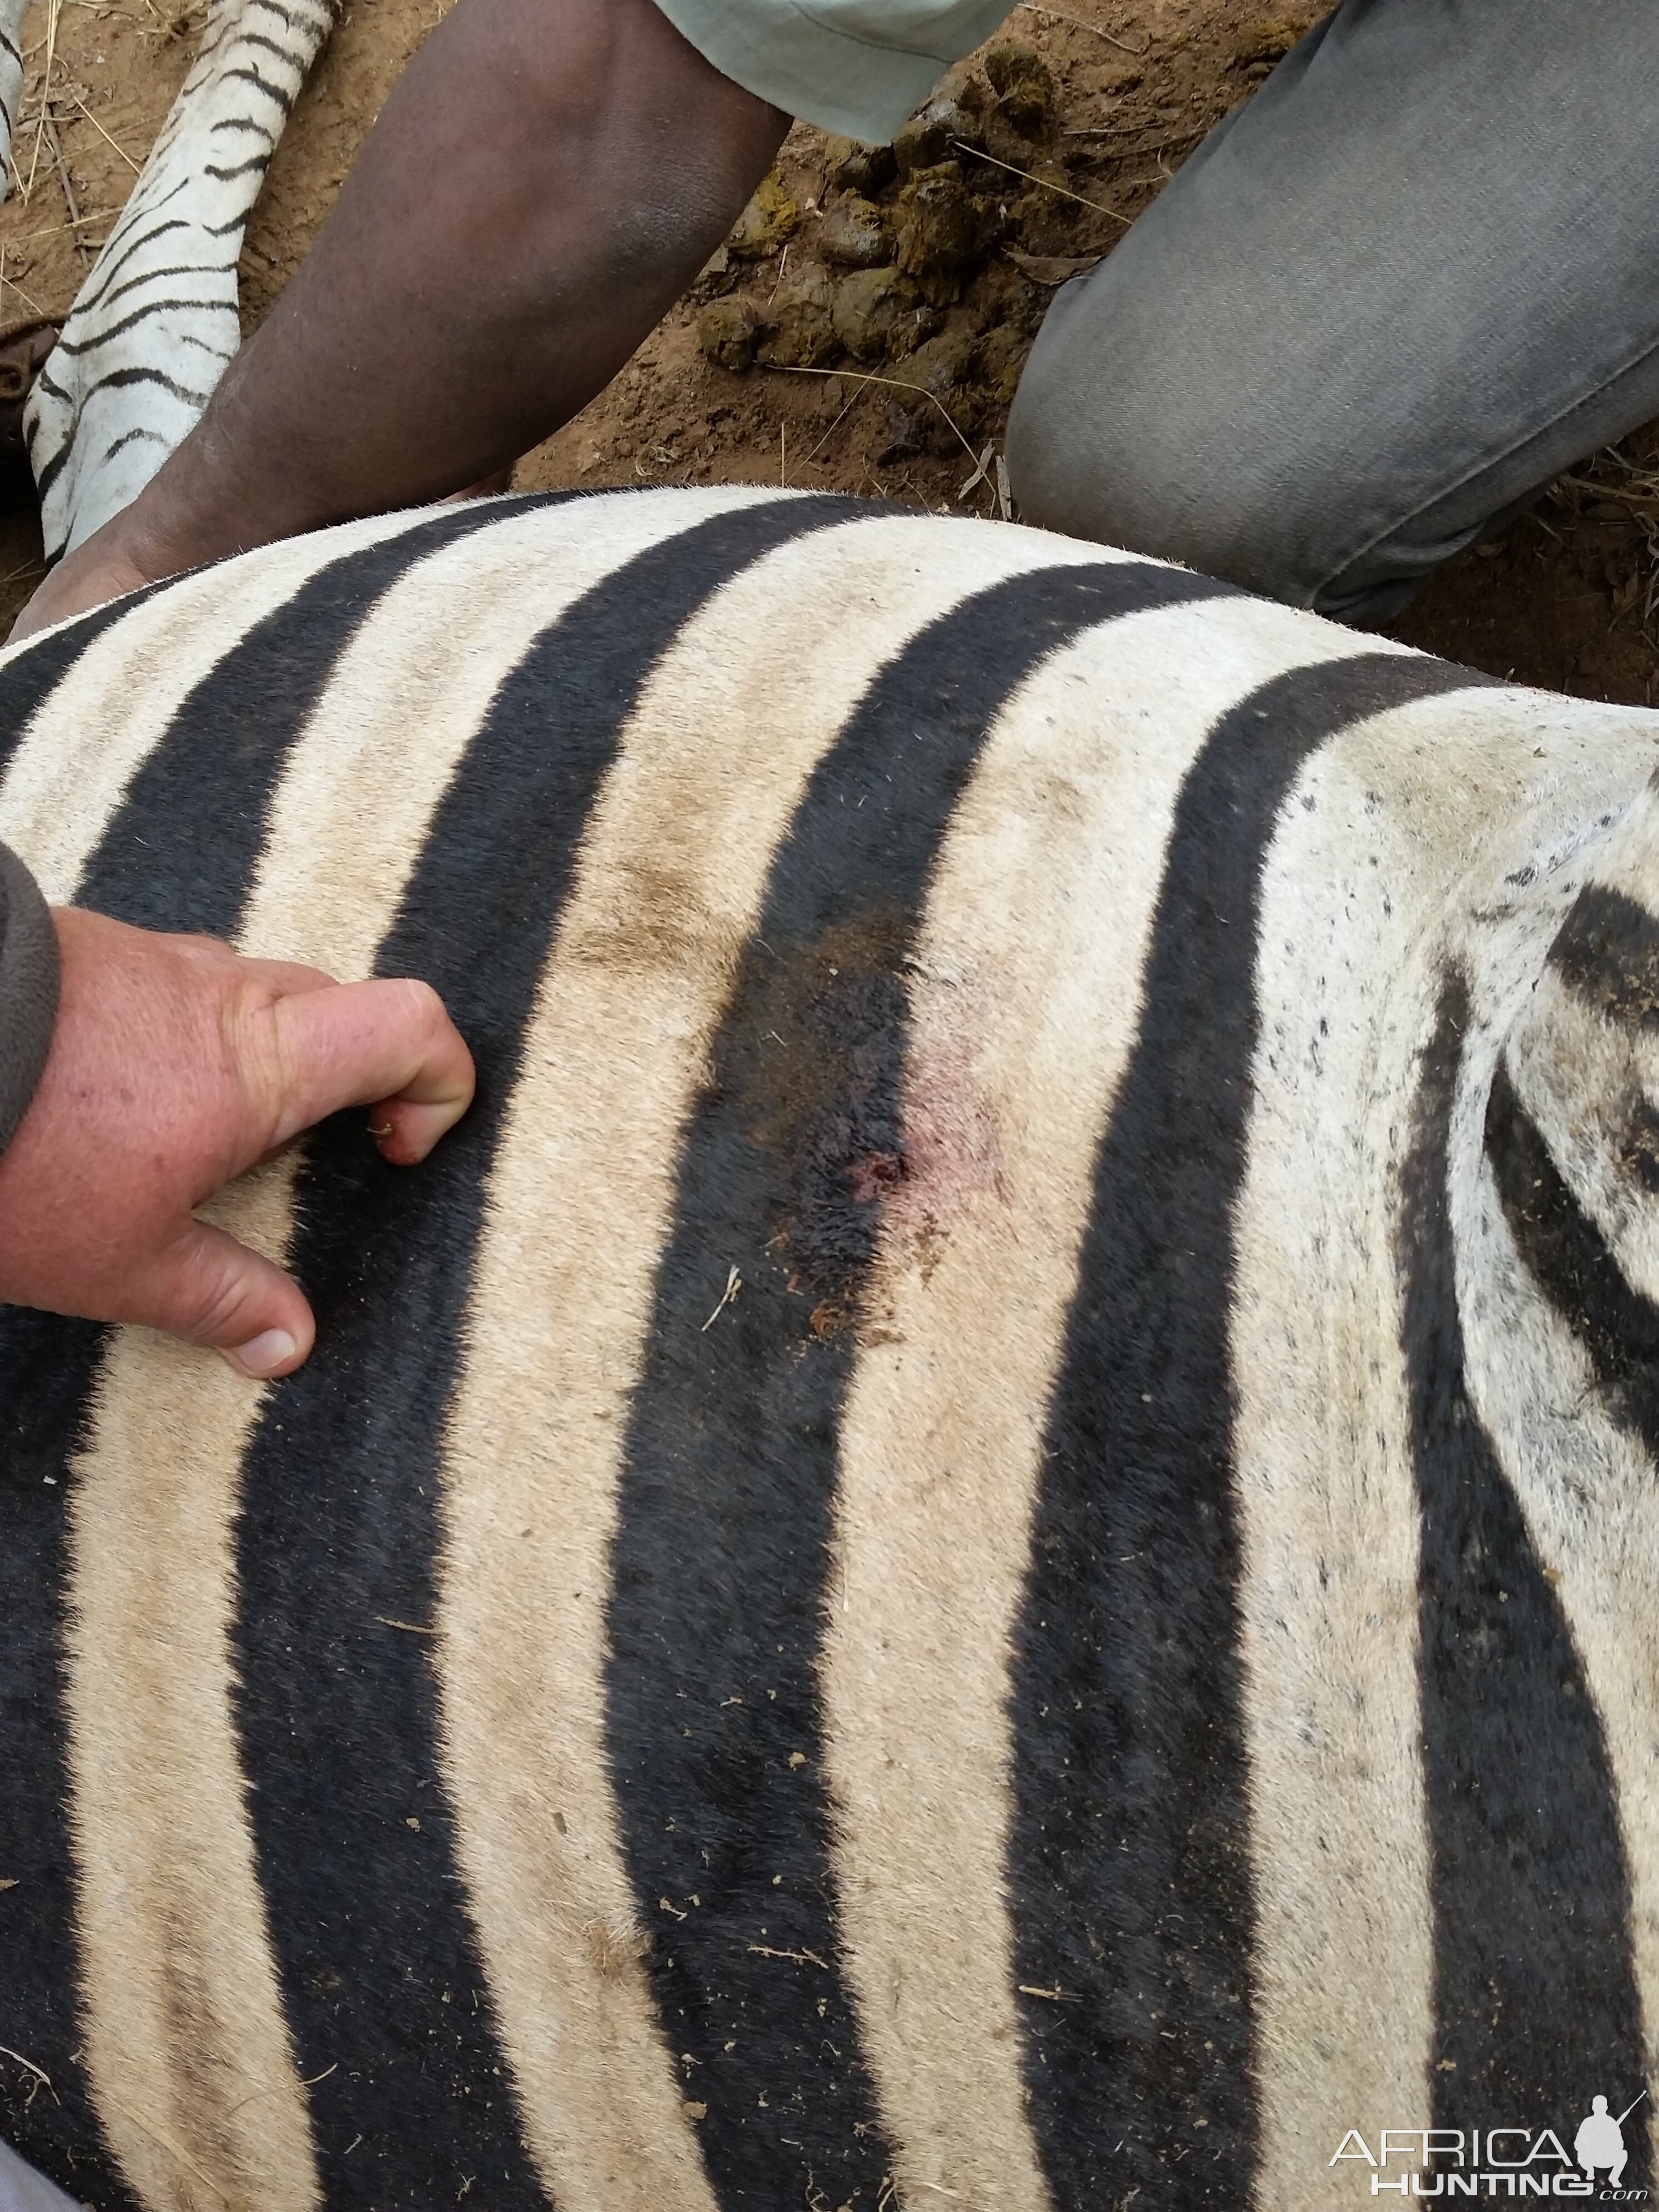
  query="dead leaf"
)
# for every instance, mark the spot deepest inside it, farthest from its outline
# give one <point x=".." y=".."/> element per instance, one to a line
<point x="1053" y="268"/>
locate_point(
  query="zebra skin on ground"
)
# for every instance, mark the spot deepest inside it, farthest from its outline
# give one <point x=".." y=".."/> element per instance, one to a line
<point x="155" y="322"/>
<point x="987" y="1536"/>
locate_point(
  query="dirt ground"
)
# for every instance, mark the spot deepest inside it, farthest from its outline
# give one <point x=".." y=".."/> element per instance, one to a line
<point x="801" y="356"/>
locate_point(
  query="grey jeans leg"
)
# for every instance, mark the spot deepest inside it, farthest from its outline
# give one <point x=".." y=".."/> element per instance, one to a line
<point x="1411" y="279"/>
<point x="23" y="2190"/>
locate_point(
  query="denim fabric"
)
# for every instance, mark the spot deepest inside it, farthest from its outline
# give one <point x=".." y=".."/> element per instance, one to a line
<point x="23" y="2190"/>
<point x="1390" y="296"/>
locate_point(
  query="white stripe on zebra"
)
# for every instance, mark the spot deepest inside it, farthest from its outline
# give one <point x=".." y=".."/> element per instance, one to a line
<point x="1329" y="1498"/>
<point x="155" y="322"/>
<point x="173" y="1928"/>
<point x="1025" y="1004"/>
<point x="669" y="880"/>
<point x="117" y="699"/>
<point x="185" y="2041"/>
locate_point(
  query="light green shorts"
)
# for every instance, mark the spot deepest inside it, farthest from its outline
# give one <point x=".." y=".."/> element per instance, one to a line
<point x="857" y="66"/>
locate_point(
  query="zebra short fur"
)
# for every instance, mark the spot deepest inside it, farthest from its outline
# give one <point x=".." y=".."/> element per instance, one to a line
<point x="155" y="322"/>
<point x="988" y="1534"/>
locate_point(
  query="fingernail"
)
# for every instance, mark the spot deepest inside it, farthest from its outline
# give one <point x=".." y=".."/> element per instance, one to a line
<point x="262" y="1355"/>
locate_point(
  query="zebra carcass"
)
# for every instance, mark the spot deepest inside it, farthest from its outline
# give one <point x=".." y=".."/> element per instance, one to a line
<point x="989" y="1533"/>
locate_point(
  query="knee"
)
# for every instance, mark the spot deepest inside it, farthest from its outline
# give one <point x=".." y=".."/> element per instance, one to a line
<point x="1115" y="436"/>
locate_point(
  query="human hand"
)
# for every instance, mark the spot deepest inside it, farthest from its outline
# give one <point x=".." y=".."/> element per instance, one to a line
<point x="174" y="1065"/>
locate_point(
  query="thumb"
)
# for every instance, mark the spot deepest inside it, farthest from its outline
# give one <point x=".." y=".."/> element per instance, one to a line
<point x="207" y="1287"/>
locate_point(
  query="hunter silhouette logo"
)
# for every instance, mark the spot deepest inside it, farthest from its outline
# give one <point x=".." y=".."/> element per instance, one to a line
<point x="1601" y="2141"/>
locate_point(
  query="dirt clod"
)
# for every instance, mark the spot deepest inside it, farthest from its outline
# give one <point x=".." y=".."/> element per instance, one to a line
<point x="942" y="232"/>
<point x="726" y="330"/>
<point x="875" y="311"/>
<point x="767" y="223"/>
<point x="857" y="168"/>
<point x="853" y="233"/>
<point x="1024" y="86"/>
<point x="933" y="134"/>
<point x="799" y="327"/>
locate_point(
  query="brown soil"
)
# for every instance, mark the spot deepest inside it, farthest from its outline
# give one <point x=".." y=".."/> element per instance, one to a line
<point x="1097" y="104"/>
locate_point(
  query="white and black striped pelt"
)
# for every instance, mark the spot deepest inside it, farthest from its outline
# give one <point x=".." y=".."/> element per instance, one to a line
<point x="988" y="1537"/>
<point x="155" y="323"/>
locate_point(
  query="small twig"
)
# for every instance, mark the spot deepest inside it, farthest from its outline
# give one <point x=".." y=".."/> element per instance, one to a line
<point x="409" y="1627"/>
<point x="92" y="215"/>
<point x="1056" y="1996"/>
<point x="807" y="464"/>
<point x="799" y="1958"/>
<point x="783" y="455"/>
<point x="1610" y="491"/>
<point x="1098" y="207"/>
<point x="898" y="382"/>
<point x="1129" y="129"/>
<point x="135" y="166"/>
<point x="54" y="8"/>
<point x="1111" y="37"/>
<point x="274" y="2089"/>
<point x="981" y="473"/>
<point x="57" y="144"/>
<point x="28" y="298"/>
<point x="733" y="1285"/>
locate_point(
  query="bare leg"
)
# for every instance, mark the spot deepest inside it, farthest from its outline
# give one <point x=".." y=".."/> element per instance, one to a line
<point x="548" y="176"/>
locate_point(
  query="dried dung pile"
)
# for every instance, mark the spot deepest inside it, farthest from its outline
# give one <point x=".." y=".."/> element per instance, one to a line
<point x="926" y="263"/>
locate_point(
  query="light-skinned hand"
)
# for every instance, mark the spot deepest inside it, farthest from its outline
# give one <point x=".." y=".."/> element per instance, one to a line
<point x="174" y="1065"/>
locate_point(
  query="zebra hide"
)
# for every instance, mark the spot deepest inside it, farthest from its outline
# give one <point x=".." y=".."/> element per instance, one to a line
<point x="155" y="322"/>
<point x="988" y="1537"/>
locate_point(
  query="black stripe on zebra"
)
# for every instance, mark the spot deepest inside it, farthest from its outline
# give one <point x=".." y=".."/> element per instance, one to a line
<point x="1568" y="1258"/>
<point x="367" y="1915"/>
<point x="181" y="850"/>
<point x="111" y="331"/>
<point x="88" y="299"/>
<point x="46" y="1366"/>
<point x="256" y="167"/>
<point x="1607" y="952"/>
<point x="284" y="99"/>
<point x="1535" y="1992"/>
<point x="1129" y="1868"/>
<point x="48" y="475"/>
<point x="725" y="1516"/>
<point x="177" y="854"/>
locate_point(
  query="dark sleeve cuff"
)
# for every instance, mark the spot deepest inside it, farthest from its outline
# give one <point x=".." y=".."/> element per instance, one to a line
<point x="28" y="990"/>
